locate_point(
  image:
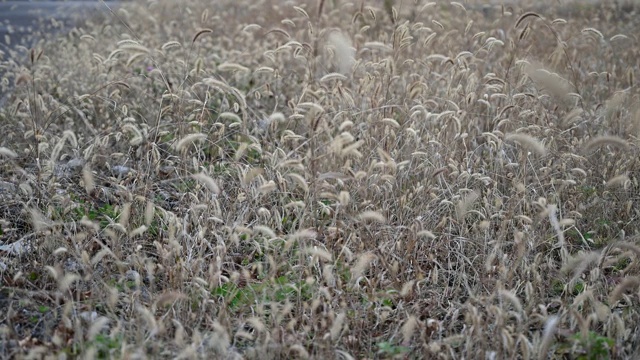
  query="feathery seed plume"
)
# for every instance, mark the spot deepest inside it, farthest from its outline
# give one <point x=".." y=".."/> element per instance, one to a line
<point x="528" y="142"/>
<point x="345" y="53"/>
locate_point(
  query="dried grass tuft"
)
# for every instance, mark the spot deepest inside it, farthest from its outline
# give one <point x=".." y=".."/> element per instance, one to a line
<point x="626" y="284"/>
<point x="345" y="53"/>
<point x="372" y="216"/>
<point x="363" y="263"/>
<point x="511" y="298"/>
<point x="620" y="180"/>
<point x="547" y="337"/>
<point x="208" y="182"/>
<point x="338" y="325"/>
<point x="465" y="204"/>
<point x="189" y="140"/>
<point x="8" y="153"/>
<point x="602" y="141"/>
<point x="528" y="142"/>
<point x="409" y="329"/>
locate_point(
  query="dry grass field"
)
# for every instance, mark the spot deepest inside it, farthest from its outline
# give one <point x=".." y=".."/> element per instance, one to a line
<point x="324" y="179"/>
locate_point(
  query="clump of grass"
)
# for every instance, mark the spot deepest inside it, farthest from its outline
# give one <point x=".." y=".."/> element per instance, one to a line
<point x="319" y="179"/>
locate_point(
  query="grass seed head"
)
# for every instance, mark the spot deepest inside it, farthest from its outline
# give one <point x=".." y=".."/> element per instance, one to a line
<point x="208" y="182"/>
<point x="626" y="284"/>
<point x="547" y="337"/>
<point x="528" y="142"/>
<point x="344" y="51"/>
<point x="363" y="263"/>
<point x="372" y="216"/>
<point x="602" y="141"/>
<point x="189" y="140"/>
<point x="8" y="153"/>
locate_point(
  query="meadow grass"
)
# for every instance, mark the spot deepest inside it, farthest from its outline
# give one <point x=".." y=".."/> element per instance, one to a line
<point x="324" y="179"/>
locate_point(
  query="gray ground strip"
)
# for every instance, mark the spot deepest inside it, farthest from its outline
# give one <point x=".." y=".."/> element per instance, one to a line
<point x="20" y="20"/>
